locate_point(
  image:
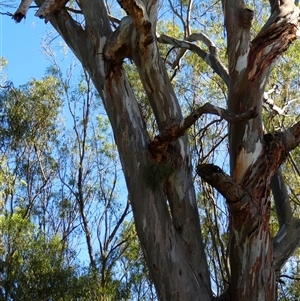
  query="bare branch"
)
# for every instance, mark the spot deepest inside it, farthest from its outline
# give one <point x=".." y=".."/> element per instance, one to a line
<point x="159" y="145"/>
<point x="188" y="17"/>
<point x="175" y="12"/>
<point x="271" y="103"/>
<point x="114" y="19"/>
<point x="7" y="14"/>
<point x="176" y="63"/>
<point x="71" y="31"/>
<point x="119" y="222"/>
<point x="7" y="85"/>
<point x="294" y="164"/>
<point x="210" y="58"/>
<point x="199" y="36"/>
<point x="290" y="277"/>
<point x="75" y="11"/>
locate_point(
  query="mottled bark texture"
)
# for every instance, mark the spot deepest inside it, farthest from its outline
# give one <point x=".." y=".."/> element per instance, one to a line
<point x="172" y="243"/>
<point x="170" y="236"/>
<point x="251" y="256"/>
<point x="254" y="157"/>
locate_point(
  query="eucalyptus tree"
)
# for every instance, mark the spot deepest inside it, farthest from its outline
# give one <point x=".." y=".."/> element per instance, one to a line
<point x="158" y="170"/>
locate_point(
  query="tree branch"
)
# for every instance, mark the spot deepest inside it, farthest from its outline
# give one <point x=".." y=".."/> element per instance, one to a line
<point x="166" y="108"/>
<point x="176" y="13"/>
<point x="281" y="199"/>
<point x="22" y="10"/>
<point x="137" y="10"/>
<point x="49" y="7"/>
<point x="271" y="103"/>
<point x="188" y="17"/>
<point x="287" y="240"/>
<point x="158" y="146"/>
<point x="215" y="176"/>
<point x="281" y="11"/>
<point x="281" y="29"/>
<point x="292" y="137"/>
<point x="290" y="277"/>
<point x="210" y="58"/>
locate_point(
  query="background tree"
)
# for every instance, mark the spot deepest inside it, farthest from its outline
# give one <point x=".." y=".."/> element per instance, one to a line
<point x="59" y="192"/>
<point x="158" y="170"/>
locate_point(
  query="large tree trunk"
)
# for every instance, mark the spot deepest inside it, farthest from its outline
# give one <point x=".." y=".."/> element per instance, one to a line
<point x="172" y="246"/>
<point x="253" y="158"/>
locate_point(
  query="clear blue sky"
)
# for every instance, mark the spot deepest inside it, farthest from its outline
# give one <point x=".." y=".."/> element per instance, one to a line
<point x="20" y="45"/>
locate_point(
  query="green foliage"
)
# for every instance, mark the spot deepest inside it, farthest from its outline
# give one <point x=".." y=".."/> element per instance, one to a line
<point x="3" y="64"/>
<point x="157" y="173"/>
<point x="28" y="113"/>
<point x="32" y="265"/>
<point x="132" y="260"/>
<point x="51" y="176"/>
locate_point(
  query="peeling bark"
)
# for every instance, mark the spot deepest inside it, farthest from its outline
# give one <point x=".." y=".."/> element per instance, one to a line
<point x="250" y="63"/>
<point x="250" y="247"/>
<point x="180" y="194"/>
<point x="249" y="239"/>
<point x="118" y="45"/>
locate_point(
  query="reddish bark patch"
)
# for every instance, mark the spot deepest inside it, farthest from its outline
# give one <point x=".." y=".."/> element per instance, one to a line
<point x="268" y="46"/>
